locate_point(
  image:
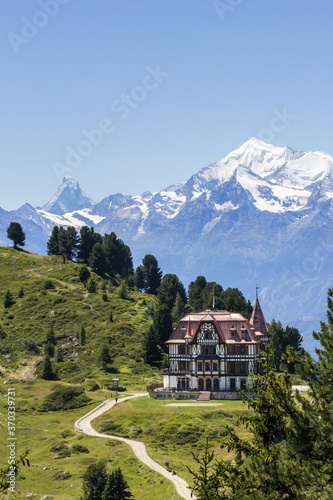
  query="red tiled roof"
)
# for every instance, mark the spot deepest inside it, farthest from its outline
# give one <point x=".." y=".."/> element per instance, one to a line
<point x="258" y="319"/>
<point x="231" y="327"/>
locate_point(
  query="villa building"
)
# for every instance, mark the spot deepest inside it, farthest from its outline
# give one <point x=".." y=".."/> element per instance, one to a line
<point x="215" y="351"/>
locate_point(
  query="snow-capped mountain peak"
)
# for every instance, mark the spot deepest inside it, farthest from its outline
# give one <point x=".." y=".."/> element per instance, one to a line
<point x="68" y="198"/>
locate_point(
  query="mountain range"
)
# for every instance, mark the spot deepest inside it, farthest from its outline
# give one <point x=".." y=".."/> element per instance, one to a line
<point x="260" y="216"/>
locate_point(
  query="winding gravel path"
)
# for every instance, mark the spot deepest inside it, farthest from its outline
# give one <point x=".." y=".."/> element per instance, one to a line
<point x="139" y="448"/>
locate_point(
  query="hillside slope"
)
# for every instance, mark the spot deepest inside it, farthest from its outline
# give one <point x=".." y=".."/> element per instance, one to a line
<point x="67" y="307"/>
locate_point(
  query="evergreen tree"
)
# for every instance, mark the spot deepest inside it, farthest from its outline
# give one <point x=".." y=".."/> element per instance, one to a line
<point x="52" y="244"/>
<point x="277" y="343"/>
<point x="139" y="279"/>
<point x="47" y="372"/>
<point x="84" y="274"/>
<point x="8" y="300"/>
<point x="58" y="356"/>
<point x="82" y="335"/>
<point x="122" y="291"/>
<point x="151" y="350"/>
<point x="116" y="488"/>
<point x="62" y="241"/>
<point x="195" y="290"/>
<point x="118" y="256"/>
<point x="50" y="337"/>
<point x="88" y="238"/>
<point x="94" y="481"/>
<point x="234" y="300"/>
<point x="103" y="356"/>
<point x="72" y="242"/>
<point x="21" y="293"/>
<point x="97" y="260"/>
<point x="289" y="453"/>
<point x="91" y="285"/>
<point x="162" y="323"/>
<point x="178" y="310"/>
<point x="16" y="234"/>
<point x="152" y="274"/>
<point x="49" y="349"/>
<point x="169" y="288"/>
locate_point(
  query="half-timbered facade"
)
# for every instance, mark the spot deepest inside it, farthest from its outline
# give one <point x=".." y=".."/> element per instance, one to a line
<point x="215" y="350"/>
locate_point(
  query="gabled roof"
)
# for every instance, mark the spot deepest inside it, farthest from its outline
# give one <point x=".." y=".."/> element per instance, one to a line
<point x="231" y="327"/>
<point x="258" y="319"/>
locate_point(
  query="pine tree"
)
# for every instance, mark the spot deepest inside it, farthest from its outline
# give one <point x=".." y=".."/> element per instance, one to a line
<point x="94" y="481"/>
<point x="178" y="310"/>
<point x="16" y="234"/>
<point x="195" y="290"/>
<point x="52" y="244"/>
<point x="20" y="293"/>
<point x="152" y="352"/>
<point x="152" y="274"/>
<point x="103" y="356"/>
<point x="72" y="242"/>
<point x="97" y="260"/>
<point x="47" y="372"/>
<point x="289" y="453"/>
<point x="88" y="238"/>
<point x="116" y="488"/>
<point x="8" y="300"/>
<point x="58" y="356"/>
<point x="139" y="279"/>
<point x="62" y="241"/>
<point x="84" y="274"/>
<point x="82" y="335"/>
<point x="49" y="349"/>
<point x="169" y="289"/>
<point x="162" y="323"/>
<point x="50" y="337"/>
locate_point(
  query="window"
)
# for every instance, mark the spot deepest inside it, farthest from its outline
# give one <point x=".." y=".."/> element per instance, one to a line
<point x="231" y="349"/>
<point x="207" y="366"/>
<point x="243" y="349"/>
<point x="199" y="366"/>
<point x="215" y="366"/>
<point x="210" y="349"/>
<point x="232" y="368"/>
<point x="243" y="367"/>
<point x="232" y="333"/>
<point x="183" y="334"/>
<point x="182" y="349"/>
<point x="232" y="384"/>
<point x="243" y="335"/>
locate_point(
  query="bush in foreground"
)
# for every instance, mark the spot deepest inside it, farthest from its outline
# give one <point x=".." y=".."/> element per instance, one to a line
<point x="64" y="398"/>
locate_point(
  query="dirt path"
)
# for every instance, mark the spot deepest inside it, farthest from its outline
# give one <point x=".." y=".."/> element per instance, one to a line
<point x="139" y="448"/>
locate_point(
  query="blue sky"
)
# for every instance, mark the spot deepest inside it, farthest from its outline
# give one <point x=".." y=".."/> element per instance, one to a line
<point x="171" y="86"/>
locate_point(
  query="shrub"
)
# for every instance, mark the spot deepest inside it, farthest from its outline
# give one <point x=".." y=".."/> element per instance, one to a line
<point x="62" y="474"/>
<point x="79" y="448"/>
<point x="84" y="274"/>
<point x="61" y="449"/>
<point x="48" y="285"/>
<point x="8" y="301"/>
<point x="91" y="285"/>
<point x="64" y="398"/>
<point x="91" y="385"/>
<point x="31" y="345"/>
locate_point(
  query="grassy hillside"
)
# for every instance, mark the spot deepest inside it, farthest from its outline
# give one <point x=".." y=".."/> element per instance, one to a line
<point x="172" y="432"/>
<point x="68" y="306"/>
<point x="57" y="463"/>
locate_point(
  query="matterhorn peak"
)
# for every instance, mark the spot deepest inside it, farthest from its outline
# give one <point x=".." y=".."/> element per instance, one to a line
<point x="68" y="198"/>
